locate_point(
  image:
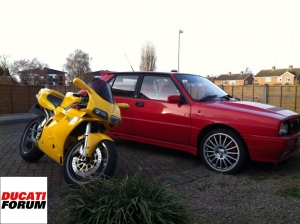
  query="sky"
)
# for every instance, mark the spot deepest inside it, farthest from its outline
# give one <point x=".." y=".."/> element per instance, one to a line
<point x="219" y="36"/>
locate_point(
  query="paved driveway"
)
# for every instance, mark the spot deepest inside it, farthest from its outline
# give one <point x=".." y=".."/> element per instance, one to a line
<point x="170" y="165"/>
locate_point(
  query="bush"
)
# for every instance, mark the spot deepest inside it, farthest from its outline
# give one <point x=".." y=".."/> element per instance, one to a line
<point x="130" y="200"/>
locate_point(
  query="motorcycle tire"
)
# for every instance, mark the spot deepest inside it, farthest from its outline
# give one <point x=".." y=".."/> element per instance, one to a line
<point x="103" y="162"/>
<point x="29" y="150"/>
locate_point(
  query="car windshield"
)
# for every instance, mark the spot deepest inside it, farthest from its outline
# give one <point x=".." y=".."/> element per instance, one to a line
<point x="102" y="88"/>
<point x="200" y="88"/>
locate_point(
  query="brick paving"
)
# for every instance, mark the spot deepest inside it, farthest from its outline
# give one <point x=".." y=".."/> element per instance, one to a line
<point x="169" y="165"/>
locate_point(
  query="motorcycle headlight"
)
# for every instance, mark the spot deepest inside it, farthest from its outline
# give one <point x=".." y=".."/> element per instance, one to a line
<point x="100" y="113"/>
<point x="283" y="130"/>
<point x="114" y="120"/>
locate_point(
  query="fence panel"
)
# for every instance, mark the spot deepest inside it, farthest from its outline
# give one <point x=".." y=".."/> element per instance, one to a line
<point x="228" y="89"/>
<point x="19" y="99"/>
<point x="274" y="95"/>
<point x="237" y="92"/>
<point x="248" y="93"/>
<point x="288" y="97"/>
<point x="258" y="94"/>
<point x="5" y="99"/>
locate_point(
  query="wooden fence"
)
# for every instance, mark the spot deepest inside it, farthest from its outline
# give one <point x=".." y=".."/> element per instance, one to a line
<point x="282" y="96"/>
<point x="19" y="99"/>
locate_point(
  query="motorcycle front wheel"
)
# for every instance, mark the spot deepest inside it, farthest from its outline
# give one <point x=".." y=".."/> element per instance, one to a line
<point x="78" y="170"/>
<point x="28" y="148"/>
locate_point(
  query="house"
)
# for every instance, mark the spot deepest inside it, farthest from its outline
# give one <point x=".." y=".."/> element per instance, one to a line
<point x="96" y="74"/>
<point x="46" y="76"/>
<point x="234" y="79"/>
<point x="211" y="78"/>
<point x="282" y="76"/>
<point x="91" y="75"/>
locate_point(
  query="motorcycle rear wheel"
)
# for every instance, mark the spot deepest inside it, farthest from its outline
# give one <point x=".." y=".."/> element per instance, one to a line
<point x="103" y="162"/>
<point x="29" y="151"/>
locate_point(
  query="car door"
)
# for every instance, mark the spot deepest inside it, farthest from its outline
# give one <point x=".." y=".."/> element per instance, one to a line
<point x="154" y="118"/>
<point x="123" y="87"/>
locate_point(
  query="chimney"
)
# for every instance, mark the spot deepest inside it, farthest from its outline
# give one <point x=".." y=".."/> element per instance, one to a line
<point x="291" y="67"/>
<point x="273" y="67"/>
<point x="241" y="72"/>
<point x="229" y="73"/>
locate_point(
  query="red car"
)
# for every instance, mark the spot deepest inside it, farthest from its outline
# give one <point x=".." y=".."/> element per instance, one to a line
<point x="189" y="113"/>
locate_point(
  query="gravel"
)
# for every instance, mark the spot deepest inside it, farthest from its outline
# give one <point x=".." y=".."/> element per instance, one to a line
<point x="251" y="196"/>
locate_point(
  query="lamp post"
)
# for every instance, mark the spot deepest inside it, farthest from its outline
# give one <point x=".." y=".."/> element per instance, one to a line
<point x="180" y="31"/>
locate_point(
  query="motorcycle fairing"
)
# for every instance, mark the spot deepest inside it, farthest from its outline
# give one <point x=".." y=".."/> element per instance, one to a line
<point x="49" y="99"/>
<point x="56" y="134"/>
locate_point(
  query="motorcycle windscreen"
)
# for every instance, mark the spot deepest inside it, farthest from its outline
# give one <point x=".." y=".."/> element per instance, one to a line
<point x="102" y="88"/>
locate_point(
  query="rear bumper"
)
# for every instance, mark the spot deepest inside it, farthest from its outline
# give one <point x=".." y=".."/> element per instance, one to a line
<point x="272" y="149"/>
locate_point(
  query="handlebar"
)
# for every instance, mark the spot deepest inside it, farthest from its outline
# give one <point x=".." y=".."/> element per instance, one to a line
<point x="82" y="106"/>
<point x="79" y="106"/>
<point x="77" y="95"/>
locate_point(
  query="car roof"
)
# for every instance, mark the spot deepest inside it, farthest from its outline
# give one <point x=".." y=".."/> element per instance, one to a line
<point x="107" y="72"/>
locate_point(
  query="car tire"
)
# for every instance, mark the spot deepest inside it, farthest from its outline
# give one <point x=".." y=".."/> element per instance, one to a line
<point x="223" y="150"/>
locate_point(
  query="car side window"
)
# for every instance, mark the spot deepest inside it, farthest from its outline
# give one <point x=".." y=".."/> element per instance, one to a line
<point x="124" y="85"/>
<point x="157" y="88"/>
<point x="148" y="90"/>
<point x="167" y="88"/>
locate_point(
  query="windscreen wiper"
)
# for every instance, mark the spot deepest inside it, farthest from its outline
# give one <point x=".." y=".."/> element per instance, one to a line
<point x="228" y="97"/>
<point x="207" y="98"/>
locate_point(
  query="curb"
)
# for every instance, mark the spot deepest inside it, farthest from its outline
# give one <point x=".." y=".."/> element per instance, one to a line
<point x="16" y="117"/>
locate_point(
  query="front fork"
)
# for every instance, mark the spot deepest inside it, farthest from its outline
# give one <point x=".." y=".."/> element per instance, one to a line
<point x="86" y="138"/>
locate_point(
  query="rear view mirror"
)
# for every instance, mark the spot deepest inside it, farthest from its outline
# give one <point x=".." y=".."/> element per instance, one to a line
<point x="123" y="105"/>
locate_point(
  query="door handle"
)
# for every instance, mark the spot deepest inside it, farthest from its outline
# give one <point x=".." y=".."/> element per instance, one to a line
<point x="139" y="104"/>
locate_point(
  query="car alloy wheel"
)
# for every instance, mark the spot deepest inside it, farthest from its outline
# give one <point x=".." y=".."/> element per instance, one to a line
<point x="223" y="151"/>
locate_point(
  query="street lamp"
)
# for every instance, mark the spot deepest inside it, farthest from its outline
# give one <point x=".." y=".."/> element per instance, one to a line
<point x="180" y="31"/>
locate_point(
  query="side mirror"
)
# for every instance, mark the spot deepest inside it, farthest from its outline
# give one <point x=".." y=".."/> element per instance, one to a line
<point x="174" y="99"/>
<point x="123" y="105"/>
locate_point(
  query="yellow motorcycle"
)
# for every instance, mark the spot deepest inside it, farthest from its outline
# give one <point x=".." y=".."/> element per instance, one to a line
<point x="72" y="130"/>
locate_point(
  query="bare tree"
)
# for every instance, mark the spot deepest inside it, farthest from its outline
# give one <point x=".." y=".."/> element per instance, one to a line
<point x="78" y="65"/>
<point x="5" y="65"/>
<point x="6" y="74"/>
<point x="33" y="68"/>
<point x="247" y="70"/>
<point x="148" y="57"/>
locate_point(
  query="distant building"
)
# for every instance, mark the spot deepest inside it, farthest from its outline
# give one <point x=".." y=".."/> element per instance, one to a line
<point x="91" y="75"/>
<point x="234" y="79"/>
<point x="96" y="74"/>
<point x="45" y="76"/>
<point x="211" y="78"/>
<point x="282" y="76"/>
